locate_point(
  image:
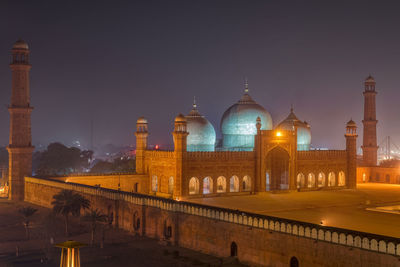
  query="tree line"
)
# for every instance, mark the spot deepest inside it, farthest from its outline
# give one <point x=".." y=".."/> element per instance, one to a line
<point x="58" y="160"/>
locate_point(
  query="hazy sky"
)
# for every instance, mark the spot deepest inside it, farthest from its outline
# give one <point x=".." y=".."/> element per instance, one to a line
<point x="114" y="61"/>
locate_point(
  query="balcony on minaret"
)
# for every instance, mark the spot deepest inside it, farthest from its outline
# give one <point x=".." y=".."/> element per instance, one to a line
<point x="369" y="84"/>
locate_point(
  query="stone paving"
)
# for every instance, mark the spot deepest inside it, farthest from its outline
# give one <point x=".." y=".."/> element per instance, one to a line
<point x="342" y="208"/>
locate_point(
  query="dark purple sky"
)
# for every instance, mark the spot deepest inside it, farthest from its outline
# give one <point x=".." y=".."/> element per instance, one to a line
<point x="114" y="61"/>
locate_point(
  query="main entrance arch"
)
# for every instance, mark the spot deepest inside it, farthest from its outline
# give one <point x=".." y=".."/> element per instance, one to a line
<point x="278" y="168"/>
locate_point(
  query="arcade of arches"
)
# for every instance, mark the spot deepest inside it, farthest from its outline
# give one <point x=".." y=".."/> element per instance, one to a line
<point x="207" y="185"/>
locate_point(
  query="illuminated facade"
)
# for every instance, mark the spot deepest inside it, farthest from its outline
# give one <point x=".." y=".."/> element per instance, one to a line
<point x="262" y="160"/>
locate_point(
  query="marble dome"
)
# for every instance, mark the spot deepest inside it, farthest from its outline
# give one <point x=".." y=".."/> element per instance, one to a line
<point x="238" y="124"/>
<point x="201" y="132"/>
<point x="303" y="130"/>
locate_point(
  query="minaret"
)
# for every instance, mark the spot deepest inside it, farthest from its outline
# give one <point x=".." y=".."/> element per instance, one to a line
<point x="179" y="134"/>
<point x="351" y="151"/>
<point x="141" y="144"/>
<point x="369" y="147"/>
<point x="20" y="148"/>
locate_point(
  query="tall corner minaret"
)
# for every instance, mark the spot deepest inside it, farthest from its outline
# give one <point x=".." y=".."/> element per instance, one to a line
<point x="369" y="147"/>
<point x="20" y="147"/>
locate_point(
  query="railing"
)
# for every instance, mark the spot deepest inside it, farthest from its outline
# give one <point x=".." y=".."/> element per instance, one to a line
<point x="350" y="238"/>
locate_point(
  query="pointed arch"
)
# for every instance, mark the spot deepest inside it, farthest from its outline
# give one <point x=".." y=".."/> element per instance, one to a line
<point x="301" y="181"/>
<point x="311" y="180"/>
<point x="193" y="186"/>
<point x="171" y="185"/>
<point x="221" y="184"/>
<point x="321" y="179"/>
<point x="234" y="184"/>
<point x="207" y="185"/>
<point x="331" y="179"/>
<point x="246" y="183"/>
<point x="341" y="179"/>
<point x="154" y="183"/>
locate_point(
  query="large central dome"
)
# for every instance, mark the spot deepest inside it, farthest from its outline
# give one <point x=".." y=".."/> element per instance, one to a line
<point x="238" y="124"/>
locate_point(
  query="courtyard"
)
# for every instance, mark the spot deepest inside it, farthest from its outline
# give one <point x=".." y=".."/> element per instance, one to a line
<point x="349" y="209"/>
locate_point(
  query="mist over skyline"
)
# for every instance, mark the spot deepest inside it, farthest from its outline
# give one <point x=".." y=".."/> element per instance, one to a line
<point x="112" y="62"/>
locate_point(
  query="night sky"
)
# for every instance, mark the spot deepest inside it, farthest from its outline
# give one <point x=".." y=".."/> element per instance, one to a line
<point x="115" y="61"/>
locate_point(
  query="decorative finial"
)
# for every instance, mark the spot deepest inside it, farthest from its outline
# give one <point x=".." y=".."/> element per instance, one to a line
<point x="194" y="102"/>
<point x="246" y="85"/>
<point x="291" y="108"/>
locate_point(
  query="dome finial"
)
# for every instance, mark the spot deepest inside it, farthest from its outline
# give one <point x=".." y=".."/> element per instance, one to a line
<point x="291" y="108"/>
<point x="194" y="102"/>
<point x="246" y="85"/>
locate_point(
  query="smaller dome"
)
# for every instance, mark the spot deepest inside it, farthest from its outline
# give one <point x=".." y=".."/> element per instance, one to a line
<point x="180" y="118"/>
<point x="351" y="124"/>
<point x="20" y="44"/>
<point x="202" y="134"/>
<point x="303" y="130"/>
<point x="141" y="120"/>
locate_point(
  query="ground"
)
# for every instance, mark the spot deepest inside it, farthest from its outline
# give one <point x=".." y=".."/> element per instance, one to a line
<point x="121" y="248"/>
<point x="341" y="208"/>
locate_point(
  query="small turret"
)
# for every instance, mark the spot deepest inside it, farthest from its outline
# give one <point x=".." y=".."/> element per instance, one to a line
<point x="351" y="149"/>
<point x="180" y="133"/>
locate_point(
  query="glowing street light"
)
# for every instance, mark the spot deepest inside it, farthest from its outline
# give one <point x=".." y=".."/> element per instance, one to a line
<point x="278" y="133"/>
<point x="70" y="256"/>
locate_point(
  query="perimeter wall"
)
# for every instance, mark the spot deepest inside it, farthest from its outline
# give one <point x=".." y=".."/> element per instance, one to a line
<point x="261" y="240"/>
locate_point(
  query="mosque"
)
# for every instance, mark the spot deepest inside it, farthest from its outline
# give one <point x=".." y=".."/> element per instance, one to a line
<point x="253" y="155"/>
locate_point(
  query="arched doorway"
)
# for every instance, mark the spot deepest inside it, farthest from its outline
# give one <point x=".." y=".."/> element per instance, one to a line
<point x="234" y="251"/>
<point x="278" y="164"/>
<point x="267" y="181"/>
<point x="294" y="262"/>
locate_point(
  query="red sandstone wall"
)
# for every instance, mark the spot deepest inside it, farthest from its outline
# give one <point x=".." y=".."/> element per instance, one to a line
<point x="378" y="175"/>
<point x="256" y="246"/>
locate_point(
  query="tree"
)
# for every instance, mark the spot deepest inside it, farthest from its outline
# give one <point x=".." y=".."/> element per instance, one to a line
<point x="27" y="213"/>
<point x="58" y="159"/>
<point x="123" y="164"/>
<point x="94" y="217"/>
<point x="67" y="203"/>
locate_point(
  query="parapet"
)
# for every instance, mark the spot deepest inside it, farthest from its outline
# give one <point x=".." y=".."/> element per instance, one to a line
<point x="321" y="155"/>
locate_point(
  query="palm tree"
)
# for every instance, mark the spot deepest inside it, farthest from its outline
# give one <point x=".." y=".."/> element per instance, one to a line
<point x="68" y="202"/>
<point x="94" y="217"/>
<point x="27" y="212"/>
